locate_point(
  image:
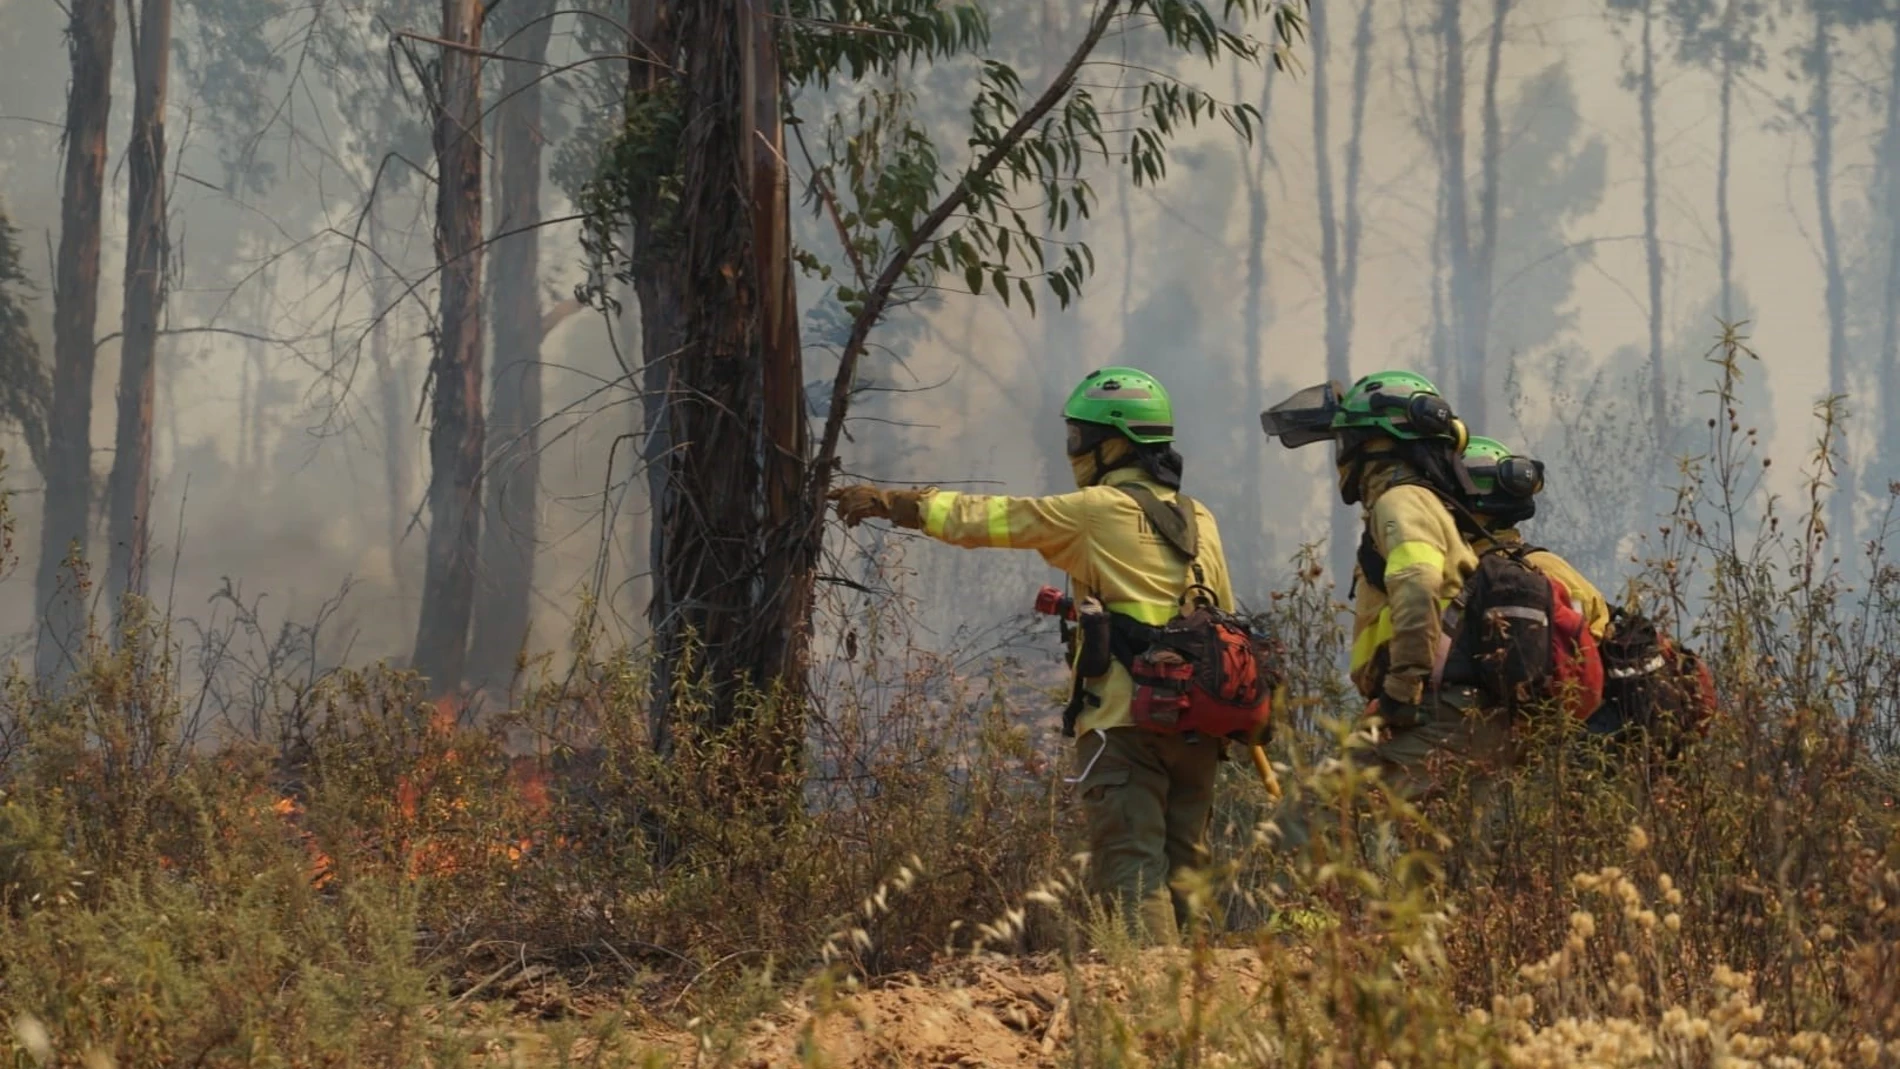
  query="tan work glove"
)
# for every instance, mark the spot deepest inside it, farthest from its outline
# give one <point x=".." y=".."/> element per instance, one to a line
<point x="856" y="503"/>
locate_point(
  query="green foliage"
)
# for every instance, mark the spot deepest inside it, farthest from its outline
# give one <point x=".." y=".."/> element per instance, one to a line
<point x="26" y="387"/>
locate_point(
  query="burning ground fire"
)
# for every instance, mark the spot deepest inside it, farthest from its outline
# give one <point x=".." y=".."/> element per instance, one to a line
<point x="430" y="798"/>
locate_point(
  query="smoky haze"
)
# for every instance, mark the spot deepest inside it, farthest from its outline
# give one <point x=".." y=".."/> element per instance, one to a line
<point x="291" y="442"/>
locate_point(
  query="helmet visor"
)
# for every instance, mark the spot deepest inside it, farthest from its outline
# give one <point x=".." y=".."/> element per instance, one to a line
<point x="1304" y="418"/>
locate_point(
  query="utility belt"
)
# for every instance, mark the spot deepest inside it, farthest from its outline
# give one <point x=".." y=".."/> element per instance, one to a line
<point x="1101" y="639"/>
<point x="1203" y="673"/>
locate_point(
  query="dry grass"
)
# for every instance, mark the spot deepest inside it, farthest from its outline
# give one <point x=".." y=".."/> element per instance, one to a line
<point x="363" y="878"/>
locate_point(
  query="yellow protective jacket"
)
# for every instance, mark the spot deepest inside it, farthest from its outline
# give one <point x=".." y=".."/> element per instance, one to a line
<point x="1590" y="601"/>
<point x="1395" y="632"/>
<point x="1102" y="539"/>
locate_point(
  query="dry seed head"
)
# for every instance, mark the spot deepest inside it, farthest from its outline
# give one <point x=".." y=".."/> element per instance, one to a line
<point x="33" y="1036"/>
<point x="1583" y="924"/>
<point x="1673" y="922"/>
<point x="1638" y="839"/>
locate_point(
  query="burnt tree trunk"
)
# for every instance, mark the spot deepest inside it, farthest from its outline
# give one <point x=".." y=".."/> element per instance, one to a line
<point x="510" y="534"/>
<point x="735" y="550"/>
<point x="658" y="284"/>
<point x="129" y="491"/>
<point x="57" y="591"/>
<point x="455" y="427"/>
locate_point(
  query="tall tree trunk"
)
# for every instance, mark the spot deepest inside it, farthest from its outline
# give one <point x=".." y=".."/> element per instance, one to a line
<point x="1467" y="387"/>
<point x="736" y="546"/>
<point x="1345" y="533"/>
<point x="393" y="406"/>
<point x="510" y="534"/>
<point x="129" y="491"/>
<point x="1652" y="235"/>
<point x="1725" y="136"/>
<point x="1338" y="330"/>
<point x="455" y="427"/>
<point x="75" y="312"/>
<point x="659" y="285"/>
<point x="1485" y="268"/>
<point x="1251" y="540"/>
<point x="1890" y="308"/>
<point x="1841" y="507"/>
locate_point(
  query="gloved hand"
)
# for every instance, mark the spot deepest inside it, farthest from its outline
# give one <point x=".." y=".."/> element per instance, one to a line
<point x="857" y="502"/>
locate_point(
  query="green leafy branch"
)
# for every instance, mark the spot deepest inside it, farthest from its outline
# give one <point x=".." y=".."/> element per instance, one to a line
<point x="880" y="181"/>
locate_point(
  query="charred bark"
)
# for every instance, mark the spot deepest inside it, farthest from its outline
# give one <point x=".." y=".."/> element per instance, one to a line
<point x="735" y="554"/>
<point x="658" y="285"/>
<point x="57" y="590"/>
<point x="129" y="490"/>
<point x="510" y="532"/>
<point x="456" y="421"/>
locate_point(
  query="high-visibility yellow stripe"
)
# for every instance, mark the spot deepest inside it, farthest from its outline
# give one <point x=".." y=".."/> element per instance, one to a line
<point x="937" y="513"/>
<point x="998" y="508"/>
<point x="1367" y="643"/>
<point x="1151" y="613"/>
<point x="1413" y="554"/>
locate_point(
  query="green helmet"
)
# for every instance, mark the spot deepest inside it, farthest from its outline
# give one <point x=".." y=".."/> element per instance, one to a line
<point x="1399" y="404"/>
<point x="1127" y="399"/>
<point x="1506" y="484"/>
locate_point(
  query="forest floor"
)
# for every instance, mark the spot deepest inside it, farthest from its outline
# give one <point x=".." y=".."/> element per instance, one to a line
<point x="1007" y="1013"/>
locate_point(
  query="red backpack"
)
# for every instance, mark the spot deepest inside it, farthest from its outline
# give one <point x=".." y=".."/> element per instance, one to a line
<point x="1207" y="670"/>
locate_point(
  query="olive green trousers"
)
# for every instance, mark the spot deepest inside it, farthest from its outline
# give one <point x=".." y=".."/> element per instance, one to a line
<point x="1458" y="753"/>
<point x="1147" y="799"/>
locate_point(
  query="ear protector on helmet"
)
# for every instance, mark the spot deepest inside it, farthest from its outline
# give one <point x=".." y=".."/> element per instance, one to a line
<point x="1430" y="415"/>
<point x="1520" y="476"/>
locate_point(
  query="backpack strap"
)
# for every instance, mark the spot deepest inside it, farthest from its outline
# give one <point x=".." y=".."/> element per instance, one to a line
<point x="1176" y="523"/>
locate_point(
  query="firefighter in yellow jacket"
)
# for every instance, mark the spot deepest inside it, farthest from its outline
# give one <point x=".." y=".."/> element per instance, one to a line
<point x="1147" y="796"/>
<point x="1395" y="439"/>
